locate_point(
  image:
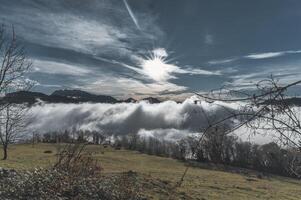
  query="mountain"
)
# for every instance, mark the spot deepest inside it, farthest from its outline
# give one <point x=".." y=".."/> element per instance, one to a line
<point x="130" y="100"/>
<point x="66" y="96"/>
<point x="78" y="96"/>
<point x="81" y="96"/>
<point x="59" y="96"/>
<point x="24" y="97"/>
<point x="151" y="100"/>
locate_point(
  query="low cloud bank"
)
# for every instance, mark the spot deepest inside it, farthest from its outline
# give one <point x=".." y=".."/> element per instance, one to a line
<point x="166" y="120"/>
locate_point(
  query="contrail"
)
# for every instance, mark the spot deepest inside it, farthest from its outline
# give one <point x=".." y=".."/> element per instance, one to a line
<point x="131" y="14"/>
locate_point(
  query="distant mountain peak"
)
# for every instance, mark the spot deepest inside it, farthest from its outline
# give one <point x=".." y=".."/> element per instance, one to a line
<point x="151" y="100"/>
<point x="83" y="96"/>
<point x="130" y="100"/>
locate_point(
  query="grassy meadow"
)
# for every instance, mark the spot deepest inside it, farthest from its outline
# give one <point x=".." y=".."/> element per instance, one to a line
<point x="199" y="183"/>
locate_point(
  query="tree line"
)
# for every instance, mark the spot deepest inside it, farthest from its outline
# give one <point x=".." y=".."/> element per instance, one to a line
<point x="221" y="149"/>
<point x="215" y="147"/>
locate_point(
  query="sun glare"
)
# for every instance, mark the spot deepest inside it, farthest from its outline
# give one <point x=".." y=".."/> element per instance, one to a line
<point x="157" y="67"/>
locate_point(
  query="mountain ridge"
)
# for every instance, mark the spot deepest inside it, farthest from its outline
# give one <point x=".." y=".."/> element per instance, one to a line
<point x="67" y="96"/>
<point x="79" y="96"/>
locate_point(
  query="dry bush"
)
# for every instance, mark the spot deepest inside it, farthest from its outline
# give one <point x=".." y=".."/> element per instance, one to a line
<point x="74" y="160"/>
<point x="55" y="185"/>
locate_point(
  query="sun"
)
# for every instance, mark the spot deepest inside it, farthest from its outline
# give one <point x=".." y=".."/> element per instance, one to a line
<point x="157" y="67"/>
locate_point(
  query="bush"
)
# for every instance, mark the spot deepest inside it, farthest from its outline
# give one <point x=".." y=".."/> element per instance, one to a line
<point x="54" y="185"/>
<point x="76" y="162"/>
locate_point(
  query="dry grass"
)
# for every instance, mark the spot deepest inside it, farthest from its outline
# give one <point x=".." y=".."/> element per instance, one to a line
<point x="198" y="184"/>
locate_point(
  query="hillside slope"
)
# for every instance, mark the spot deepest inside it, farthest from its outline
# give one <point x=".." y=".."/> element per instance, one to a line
<point x="200" y="183"/>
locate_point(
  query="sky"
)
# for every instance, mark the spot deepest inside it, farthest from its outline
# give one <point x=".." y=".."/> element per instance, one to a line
<point x="165" y="48"/>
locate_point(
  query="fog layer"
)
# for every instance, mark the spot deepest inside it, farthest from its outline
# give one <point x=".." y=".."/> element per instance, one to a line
<point x="169" y="120"/>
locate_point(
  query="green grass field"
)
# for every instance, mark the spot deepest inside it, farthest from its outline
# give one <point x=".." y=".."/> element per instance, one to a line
<point x="198" y="183"/>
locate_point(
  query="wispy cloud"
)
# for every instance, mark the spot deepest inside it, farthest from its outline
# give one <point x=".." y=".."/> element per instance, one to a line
<point x="124" y="87"/>
<point x="54" y="67"/>
<point x="71" y="32"/>
<point x="196" y="71"/>
<point x="245" y="81"/>
<point x="223" y="61"/>
<point x="286" y="74"/>
<point x="265" y="55"/>
<point x="271" y="54"/>
<point x="254" y="56"/>
<point x="102" y="29"/>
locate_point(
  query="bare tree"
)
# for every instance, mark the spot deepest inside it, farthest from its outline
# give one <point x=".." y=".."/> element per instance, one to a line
<point x="12" y="125"/>
<point x="14" y="63"/>
<point x="266" y="110"/>
<point x="13" y="66"/>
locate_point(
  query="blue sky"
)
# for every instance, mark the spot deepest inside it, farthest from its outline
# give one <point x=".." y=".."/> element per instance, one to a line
<point x="157" y="48"/>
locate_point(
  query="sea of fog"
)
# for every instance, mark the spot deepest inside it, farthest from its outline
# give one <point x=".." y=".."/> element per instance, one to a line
<point x="167" y="120"/>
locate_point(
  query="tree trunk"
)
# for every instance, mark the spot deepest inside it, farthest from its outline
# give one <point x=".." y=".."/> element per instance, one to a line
<point x="4" y="152"/>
